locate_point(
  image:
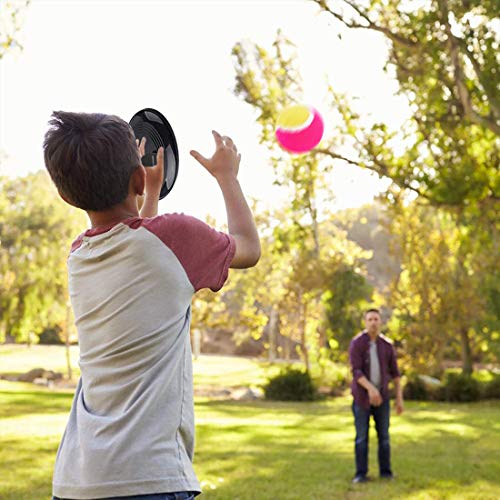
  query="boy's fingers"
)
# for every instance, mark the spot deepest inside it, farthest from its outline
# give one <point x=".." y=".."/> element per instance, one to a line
<point x="142" y="146"/>
<point x="199" y="157"/>
<point x="218" y="139"/>
<point x="159" y="158"/>
<point x="160" y="155"/>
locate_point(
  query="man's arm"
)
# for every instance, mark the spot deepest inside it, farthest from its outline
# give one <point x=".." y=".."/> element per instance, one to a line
<point x="224" y="166"/>
<point x="399" y="396"/>
<point x="373" y="392"/>
<point x="396" y="377"/>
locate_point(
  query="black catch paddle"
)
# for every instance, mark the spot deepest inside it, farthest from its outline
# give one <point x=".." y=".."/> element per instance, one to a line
<point x="152" y="125"/>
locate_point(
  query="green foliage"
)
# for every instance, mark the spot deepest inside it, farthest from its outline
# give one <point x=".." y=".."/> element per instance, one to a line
<point x="460" y="387"/>
<point x="455" y="387"/>
<point x="492" y="389"/>
<point x="51" y="336"/>
<point x="36" y="231"/>
<point x="345" y="300"/>
<point x="441" y="309"/>
<point x="415" y="389"/>
<point x="10" y="24"/>
<point x="291" y="385"/>
<point x="444" y="57"/>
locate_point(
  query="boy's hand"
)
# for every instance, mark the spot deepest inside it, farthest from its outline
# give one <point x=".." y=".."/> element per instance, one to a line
<point x="225" y="161"/>
<point x="154" y="175"/>
<point x="148" y="203"/>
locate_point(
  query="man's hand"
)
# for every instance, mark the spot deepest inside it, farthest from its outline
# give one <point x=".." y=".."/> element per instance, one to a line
<point x="375" y="397"/>
<point x="225" y="161"/>
<point x="399" y="405"/>
<point x="399" y="396"/>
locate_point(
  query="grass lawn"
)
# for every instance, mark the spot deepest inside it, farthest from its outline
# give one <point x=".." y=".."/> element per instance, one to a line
<point x="17" y="359"/>
<point x="263" y="450"/>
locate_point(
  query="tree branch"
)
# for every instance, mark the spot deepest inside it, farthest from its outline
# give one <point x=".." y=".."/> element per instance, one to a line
<point x="494" y="103"/>
<point x="381" y="170"/>
<point x="463" y="92"/>
<point x="371" y="25"/>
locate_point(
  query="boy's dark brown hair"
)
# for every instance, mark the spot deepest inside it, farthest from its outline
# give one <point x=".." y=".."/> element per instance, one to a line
<point x="90" y="158"/>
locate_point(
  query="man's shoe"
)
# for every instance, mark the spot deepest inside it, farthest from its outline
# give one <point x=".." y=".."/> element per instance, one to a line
<point x="387" y="477"/>
<point x="360" y="479"/>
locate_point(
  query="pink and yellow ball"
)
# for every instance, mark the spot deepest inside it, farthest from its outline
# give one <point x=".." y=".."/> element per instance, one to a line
<point x="299" y="128"/>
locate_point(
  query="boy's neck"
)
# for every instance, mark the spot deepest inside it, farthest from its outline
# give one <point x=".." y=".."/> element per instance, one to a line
<point x="113" y="215"/>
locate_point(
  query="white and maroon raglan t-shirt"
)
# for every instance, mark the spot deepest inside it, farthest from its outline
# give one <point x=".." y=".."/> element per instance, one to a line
<point x="131" y="426"/>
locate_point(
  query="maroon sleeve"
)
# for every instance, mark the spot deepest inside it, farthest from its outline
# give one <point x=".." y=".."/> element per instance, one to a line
<point x="205" y="253"/>
<point x="393" y="363"/>
<point x="77" y="243"/>
<point x="356" y="359"/>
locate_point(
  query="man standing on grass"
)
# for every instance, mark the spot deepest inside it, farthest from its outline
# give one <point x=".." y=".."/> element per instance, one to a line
<point x="373" y="364"/>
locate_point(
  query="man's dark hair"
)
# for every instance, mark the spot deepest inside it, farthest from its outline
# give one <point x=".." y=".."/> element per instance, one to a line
<point x="90" y="158"/>
<point x="372" y="310"/>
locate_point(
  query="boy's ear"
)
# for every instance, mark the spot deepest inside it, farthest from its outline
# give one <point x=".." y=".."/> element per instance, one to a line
<point x="138" y="181"/>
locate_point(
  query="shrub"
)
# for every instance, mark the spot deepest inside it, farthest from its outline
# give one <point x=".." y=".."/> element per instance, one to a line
<point x="339" y="384"/>
<point x="291" y="385"/>
<point x="460" y="387"/>
<point x="492" y="388"/>
<point x="51" y="336"/>
<point x="415" y="389"/>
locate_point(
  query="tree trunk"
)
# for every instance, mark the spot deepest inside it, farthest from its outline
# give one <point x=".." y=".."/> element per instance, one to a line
<point x="286" y="348"/>
<point x="466" y="352"/>
<point x="273" y="328"/>
<point x="303" y="337"/>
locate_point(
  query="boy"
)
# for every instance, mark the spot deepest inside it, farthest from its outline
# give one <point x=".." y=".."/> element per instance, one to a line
<point x="131" y="279"/>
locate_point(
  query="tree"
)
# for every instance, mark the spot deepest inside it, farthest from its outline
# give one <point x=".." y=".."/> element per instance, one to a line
<point x="443" y="54"/>
<point x="444" y="57"/>
<point x="36" y="231"/>
<point x="347" y="297"/>
<point x="10" y="24"/>
<point x="269" y="82"/>
<point x="442" y="307"/>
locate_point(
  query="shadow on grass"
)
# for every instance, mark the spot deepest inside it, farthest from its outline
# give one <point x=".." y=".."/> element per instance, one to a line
<point x="275" y="470"/>
<point x="20" y="403"/>
<point x="265" y="450"/>
<point x="303" y="460"/>
<point x="27" y="467"/>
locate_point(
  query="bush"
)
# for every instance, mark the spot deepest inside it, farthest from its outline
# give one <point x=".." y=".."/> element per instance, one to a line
<point x="460" y="387"/>
<point x="492" y="388"/>
<point x="339" y="384"/>
<point x="415" y="389"/>
<point x="50" y="336"/>
<point x="291" y="385"/>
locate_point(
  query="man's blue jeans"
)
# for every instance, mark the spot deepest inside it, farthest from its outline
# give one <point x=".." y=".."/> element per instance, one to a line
<point x="381" y="416"/>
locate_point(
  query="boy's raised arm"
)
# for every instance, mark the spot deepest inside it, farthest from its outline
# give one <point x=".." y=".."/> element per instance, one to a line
<point x="154" y="182"/>
<point x="224" y="165"/>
